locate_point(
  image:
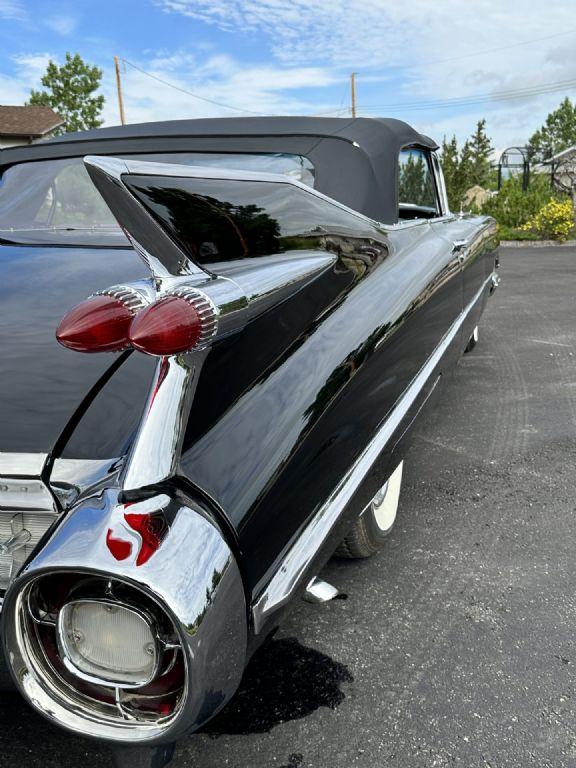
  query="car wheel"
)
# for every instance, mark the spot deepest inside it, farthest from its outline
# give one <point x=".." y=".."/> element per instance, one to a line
<point x="373" y="526"/>
<point x="472" y="341"/>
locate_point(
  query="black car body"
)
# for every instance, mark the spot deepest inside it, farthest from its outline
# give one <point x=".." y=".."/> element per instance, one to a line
<point x="187" y="496"/>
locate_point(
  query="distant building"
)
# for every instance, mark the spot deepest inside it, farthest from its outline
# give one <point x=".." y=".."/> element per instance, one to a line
<point x="26" y="125"/>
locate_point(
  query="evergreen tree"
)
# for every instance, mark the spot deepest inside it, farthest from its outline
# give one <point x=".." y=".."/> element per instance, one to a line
<point x="70" y="91"/>
<point x="412" y="183"/>
<point x="467" y="167"/>
<point x="480" y="148"/>
<point x="557" y="133"/>
<point x="450" y="162"/>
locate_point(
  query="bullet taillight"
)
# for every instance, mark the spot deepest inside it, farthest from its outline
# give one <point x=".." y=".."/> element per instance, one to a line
<point x="167" y="327"/>
<point x="120" y="318"/>
<point x="99" y="324"/>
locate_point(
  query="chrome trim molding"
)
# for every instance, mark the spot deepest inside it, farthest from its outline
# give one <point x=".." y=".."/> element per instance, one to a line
<point x="27" y="510"/>
<point x="440" y="184"/>
<point x="155" y="453"/>
<point x="129" y="295"/>
<point x="289" y="576"/>
<point x="22" y="464"/>
<point x="204" y="306"/>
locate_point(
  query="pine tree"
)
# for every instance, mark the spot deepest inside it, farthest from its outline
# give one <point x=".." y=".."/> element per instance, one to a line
<point x="557" y="133"/>
<point x="466" y="167"/>
<point x="412" y="187"/>
<point x="70" y="90"/>
<point x="480" y="148"/>
<point x="450" y="162"/>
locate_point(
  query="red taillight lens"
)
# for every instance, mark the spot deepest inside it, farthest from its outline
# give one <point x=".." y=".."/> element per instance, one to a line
<point x="99" y="324"/>
<point x="167" y="327"/>
<point x="152" y="528"/>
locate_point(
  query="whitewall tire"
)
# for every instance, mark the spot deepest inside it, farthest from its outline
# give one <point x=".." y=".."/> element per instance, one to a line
<point x="373" y="526"/>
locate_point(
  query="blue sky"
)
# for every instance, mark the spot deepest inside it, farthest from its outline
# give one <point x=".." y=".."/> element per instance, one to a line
<point x="294" y="57"/>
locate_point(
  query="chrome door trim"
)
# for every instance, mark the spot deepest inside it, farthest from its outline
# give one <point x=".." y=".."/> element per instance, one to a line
<point x="288" y="577"/>
<point x="22" y="464"/>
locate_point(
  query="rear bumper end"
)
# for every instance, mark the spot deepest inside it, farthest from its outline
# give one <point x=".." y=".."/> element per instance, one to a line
<point x="163" y="556"/>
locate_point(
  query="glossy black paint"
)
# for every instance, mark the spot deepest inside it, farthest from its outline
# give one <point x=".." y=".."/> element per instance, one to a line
<point x="43" y="385"/>
<point x="341" y="352"/>
<point x="284" y="406"/>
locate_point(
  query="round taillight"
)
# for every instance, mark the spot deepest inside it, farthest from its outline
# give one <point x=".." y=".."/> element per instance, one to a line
<point x="99" y="324"/>
<point x="169" y="326"/>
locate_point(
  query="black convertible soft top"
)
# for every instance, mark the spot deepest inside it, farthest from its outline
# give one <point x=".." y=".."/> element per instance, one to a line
<point x="356" y="160"/>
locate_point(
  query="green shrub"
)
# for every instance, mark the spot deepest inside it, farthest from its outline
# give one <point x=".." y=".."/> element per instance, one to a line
<point x="510" y="233"/>
<point x="511" y="207"/>
<point x="554" y="221"/>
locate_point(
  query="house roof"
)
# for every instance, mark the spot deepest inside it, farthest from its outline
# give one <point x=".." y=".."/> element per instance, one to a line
<point x="28" y="121"/>
<point x="559" y="155"/>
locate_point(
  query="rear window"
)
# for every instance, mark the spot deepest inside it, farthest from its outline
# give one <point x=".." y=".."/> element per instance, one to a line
<point x="54" y="201"/>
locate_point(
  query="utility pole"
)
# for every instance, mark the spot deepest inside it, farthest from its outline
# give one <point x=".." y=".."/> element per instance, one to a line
<point x="119" y="89"/>
<point x="353" y="92"/>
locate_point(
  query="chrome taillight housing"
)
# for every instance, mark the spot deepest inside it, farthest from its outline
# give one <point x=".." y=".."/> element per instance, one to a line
<point x="104" y="646"/>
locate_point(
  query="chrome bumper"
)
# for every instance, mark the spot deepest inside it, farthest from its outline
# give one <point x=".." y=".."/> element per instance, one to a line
<point x="193" y="576"/>
<point x="27" y="511"/>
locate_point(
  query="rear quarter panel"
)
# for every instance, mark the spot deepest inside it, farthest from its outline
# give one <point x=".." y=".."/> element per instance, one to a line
<point x="318" y="375"/>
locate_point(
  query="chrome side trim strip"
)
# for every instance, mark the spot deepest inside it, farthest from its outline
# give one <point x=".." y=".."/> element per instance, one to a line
<point x="286" y="580"/>
<point x="22" y="464"/>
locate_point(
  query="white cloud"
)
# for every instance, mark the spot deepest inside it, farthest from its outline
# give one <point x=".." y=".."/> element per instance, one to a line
<point x="63" y="25"/>
<point x="264" y="89"/>
<point x="29" y="68"/>
<point x="375" y="33"/>
<point x="420" y="52"/>
<point x="405" y="52"/>
<point x="12" y="9"/>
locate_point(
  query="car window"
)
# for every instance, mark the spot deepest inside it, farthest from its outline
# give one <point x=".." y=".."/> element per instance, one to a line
<point x="54" y="201"/>
<point x="416" y="190"/>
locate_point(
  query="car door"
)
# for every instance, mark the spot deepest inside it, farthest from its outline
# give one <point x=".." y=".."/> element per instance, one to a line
<point x="472" y="241"/>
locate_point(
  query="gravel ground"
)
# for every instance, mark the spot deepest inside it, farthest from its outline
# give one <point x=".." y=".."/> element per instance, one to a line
<point x="455" y="646"/>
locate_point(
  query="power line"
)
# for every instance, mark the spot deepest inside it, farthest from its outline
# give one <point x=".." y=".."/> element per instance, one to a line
<point x="518" y="93"/>
<point x="463" y="56"/>
<point x="189" y="93"/>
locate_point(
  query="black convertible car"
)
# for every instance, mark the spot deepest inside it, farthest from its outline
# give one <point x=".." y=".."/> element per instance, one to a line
<point x="216" y="336"/>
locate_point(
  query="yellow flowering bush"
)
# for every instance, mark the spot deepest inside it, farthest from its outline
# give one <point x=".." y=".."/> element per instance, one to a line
<point x="554" y="221"/>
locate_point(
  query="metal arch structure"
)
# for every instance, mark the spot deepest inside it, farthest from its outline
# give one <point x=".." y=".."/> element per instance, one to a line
<point x="515" y="159"/>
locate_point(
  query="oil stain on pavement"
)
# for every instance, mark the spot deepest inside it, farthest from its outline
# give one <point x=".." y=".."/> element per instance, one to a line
<point x="284" y="681"/>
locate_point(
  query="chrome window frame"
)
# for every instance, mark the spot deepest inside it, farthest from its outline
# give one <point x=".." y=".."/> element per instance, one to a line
<point x="440" y="184"/>
<point x="431" y="162"/>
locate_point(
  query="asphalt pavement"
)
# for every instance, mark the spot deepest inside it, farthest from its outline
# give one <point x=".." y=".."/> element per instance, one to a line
<point x="455" y="646"/>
